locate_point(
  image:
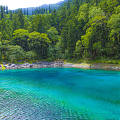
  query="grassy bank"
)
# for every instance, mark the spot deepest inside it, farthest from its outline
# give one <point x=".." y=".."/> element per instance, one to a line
<point x="26" y="61"/>
<point x="105" y="61"/>
<point x="74" y="61"/>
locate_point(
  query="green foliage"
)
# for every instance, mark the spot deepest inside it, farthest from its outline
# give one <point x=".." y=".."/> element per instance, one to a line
<point x="117" y="9"/>
<point x="6" y="29"/>
<point x="28" y="24"/>
<point x="68" y="41"/>
<point x="114" y="24"/>
<point x="83" y="13"/>
<point x="95" y="11"/>
<point x="39" y="43"/>
<point x="0" y="36"/>
<point x="40" y="23"/>
<point x="79" y="49"/>
<point x="14" y="53"/>
<point x="20" y="37"/>
<point x="96" y="36"/>
<point x="53" y="35"/>
<point x="21" y="18"/>
<point x="18" y="20"/>
<point x="114" y="21"/>
<point x="109" y="5"/>
<point x="78" y="30"/>
<point x="30" y="55"/>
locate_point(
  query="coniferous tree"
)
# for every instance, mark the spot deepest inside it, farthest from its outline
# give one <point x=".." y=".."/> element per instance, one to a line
<point x="2" y="12"/>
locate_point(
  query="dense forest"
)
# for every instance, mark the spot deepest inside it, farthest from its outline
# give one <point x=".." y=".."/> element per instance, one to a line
<point x="79" y="29"/>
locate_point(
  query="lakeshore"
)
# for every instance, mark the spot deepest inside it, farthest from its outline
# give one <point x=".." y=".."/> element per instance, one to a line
<point x="60" y="64"/>
<point x="33" y="65"/>
<point x="97" y="66"/>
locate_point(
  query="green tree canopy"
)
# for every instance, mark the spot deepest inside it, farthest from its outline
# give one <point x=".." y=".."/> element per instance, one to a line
<point x="39" y="43"/>
<point x="53" y="35"/>
<point x="14" y="53"/>
<point x="20" y="38"/>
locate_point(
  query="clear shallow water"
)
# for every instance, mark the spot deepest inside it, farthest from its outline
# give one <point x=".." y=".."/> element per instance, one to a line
<point x="59" y="94"/>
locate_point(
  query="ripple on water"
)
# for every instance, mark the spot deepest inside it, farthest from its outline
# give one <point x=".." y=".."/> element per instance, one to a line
<point x="15" y="106"/>
<point x="59" y="94"/>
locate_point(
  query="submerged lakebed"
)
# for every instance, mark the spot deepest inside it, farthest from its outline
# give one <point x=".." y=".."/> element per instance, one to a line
<point x="59" y="94"/>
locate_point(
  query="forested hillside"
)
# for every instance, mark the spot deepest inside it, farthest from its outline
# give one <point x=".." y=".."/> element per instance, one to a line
<point x="43" y="9"/>
<point x="80" y="29"/>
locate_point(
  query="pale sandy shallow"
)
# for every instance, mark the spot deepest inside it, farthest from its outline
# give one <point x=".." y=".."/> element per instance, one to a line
<point x="94" y="66"/>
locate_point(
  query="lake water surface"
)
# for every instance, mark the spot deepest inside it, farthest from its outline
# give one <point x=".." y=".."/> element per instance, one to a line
<point x="59" y="94"/>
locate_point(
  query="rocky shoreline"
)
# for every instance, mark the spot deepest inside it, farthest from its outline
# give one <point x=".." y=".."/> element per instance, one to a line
<point x="60" y="64"/>
<point x="33" y="65"/>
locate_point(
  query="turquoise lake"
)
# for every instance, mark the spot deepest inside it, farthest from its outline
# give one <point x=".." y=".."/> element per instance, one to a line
<point x="59" y="94"/>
